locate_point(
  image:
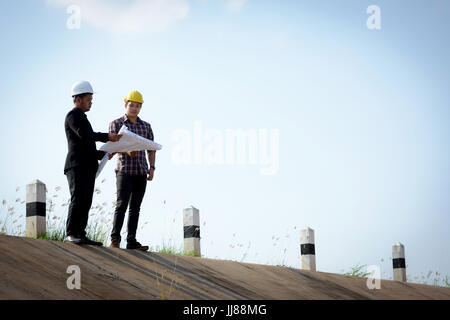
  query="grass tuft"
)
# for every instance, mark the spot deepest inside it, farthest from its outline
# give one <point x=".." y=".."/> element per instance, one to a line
<point x="356" y="271"/>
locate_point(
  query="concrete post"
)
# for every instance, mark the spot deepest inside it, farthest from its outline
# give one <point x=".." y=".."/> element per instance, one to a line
<point x="398" y="261"/>
<point x="307" y="249"/>
<point x="191" y="222"/>
<point x="36" y="211"/>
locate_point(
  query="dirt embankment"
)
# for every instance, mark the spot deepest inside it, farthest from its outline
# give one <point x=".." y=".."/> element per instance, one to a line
<point x="37" y="269"/>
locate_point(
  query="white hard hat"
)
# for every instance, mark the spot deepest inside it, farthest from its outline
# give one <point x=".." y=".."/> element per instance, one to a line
<point x="81" y="87"/>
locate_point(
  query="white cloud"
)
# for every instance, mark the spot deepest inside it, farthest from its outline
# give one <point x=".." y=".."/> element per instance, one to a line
<point x="235" y="5"/>
<point x="128" y="16"/>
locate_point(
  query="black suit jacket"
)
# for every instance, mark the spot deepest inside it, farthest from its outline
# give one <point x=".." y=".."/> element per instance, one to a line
<point x="81" y="141"/>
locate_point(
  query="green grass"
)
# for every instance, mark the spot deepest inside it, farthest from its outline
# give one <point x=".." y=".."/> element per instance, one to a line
<point x="356" y="271"/>
<point x="57" y="235"/>
<point x="97" y="232"/>
<point x="172" y="249"/>
<point x="94" y="232"/>
<point x="433" y="278"/>
<point x="12" y="222"/>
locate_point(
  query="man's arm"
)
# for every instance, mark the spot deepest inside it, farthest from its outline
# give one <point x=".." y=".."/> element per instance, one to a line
<point x="113" y="132"/>
<point x="113" y="128"/>
<point x="103" y="137"/>
<point x="151" y="155"/>
<point x="83" y="129"/>
<point x="80" y="126"/>
<point x="100" y="154"/>
<point x="151" y="160"/>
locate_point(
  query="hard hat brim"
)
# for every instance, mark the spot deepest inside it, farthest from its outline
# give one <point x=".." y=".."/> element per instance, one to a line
<point x="79" y="94"/>
<point x="126" y="100"/>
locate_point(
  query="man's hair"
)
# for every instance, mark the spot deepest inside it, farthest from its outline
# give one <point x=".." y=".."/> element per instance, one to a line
<point x="79" y="95"/>
<point x="133" y="101"/>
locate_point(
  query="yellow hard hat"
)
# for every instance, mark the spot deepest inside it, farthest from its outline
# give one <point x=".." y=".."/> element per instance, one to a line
<point x="135" y="96"/>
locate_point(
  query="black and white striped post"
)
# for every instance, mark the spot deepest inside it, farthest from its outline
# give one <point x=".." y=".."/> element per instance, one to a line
<point x="307" y="249"/>
<point x="35" y="212"/>
<point x="398" y="261"/>
<point x="191" y="222"/>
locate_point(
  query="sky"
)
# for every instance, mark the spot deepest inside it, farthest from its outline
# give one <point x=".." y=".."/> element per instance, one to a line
<point x="347" y="125"/>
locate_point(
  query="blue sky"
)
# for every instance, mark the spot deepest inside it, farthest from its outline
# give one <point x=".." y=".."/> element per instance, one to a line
<point x="362" y="115"/>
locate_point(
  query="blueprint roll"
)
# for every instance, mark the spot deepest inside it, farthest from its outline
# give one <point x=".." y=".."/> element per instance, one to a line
<point x="130" y="141"/>
<point x="102" y="164"/>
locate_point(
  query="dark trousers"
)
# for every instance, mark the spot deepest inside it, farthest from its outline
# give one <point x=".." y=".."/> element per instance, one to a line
<point x="130" y="190"/>
<point x="81" y="184"/>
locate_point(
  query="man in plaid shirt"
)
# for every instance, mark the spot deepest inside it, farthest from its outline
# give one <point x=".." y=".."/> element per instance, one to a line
<point x="132" y="173"/>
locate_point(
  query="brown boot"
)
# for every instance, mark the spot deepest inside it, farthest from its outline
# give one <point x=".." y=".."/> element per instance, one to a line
<point x="115" y="243"/>
<point x="136" y="245"/>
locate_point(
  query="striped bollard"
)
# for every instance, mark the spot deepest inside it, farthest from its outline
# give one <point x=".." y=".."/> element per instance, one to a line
<point x="191" y="222"/>
<point x="35" y="212"/>
<point x="308" y="250"/>
<point x="398" y="261"/>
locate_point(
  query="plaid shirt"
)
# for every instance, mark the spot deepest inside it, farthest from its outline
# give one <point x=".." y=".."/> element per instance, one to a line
<point x="125" y="163"/>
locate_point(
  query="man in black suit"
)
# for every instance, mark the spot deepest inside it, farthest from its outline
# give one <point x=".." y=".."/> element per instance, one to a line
<point x="81" y="162"/>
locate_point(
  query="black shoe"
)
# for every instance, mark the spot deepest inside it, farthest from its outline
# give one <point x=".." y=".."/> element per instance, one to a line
<point x="115" y="243"/>
<point x="73" y="239"/>
<point x="136" y="245"/>
<point x="86" y="240"/>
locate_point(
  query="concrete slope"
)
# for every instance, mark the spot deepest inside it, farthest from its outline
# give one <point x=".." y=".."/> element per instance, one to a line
<point x="36" y="269"/>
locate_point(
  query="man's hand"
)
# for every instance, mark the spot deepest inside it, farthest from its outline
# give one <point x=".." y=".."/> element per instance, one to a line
<point x="150" y="174"/>
<point x="114" y="137"/>
<point x="110" y="155"/>
<point x="132" y="154"/>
